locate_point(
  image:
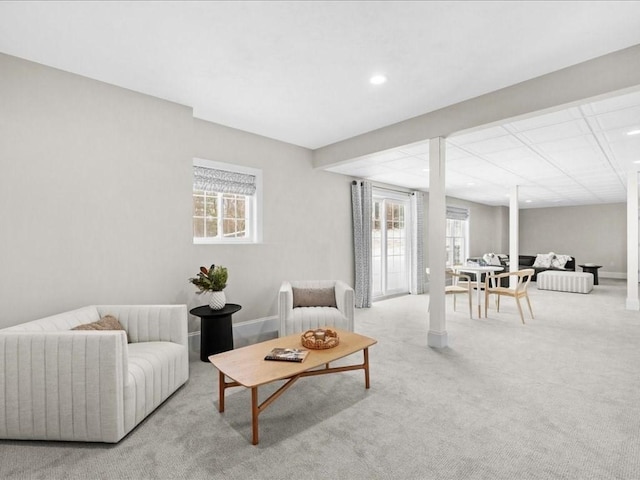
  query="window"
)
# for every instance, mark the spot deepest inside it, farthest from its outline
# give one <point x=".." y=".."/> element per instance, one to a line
<point x="457" y="235"/>
<point x="226" y="203"/>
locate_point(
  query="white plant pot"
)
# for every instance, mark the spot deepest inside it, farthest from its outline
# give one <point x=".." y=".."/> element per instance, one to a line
<point x="217" y="300"/>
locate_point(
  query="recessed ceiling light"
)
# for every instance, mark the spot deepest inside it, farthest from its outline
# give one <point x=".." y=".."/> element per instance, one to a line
<point x="634" y="132"/>
<point x="378" y="79"/>
<point x="528" y="201"/>
<point x="636" y="161"/>
<point x="470" y="184"/>
<point x="425" y="169"/>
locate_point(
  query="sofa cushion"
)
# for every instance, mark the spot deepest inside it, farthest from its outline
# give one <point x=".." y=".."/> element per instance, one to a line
<point x="314" y="297"/>
<point x="317" y="317"/>
<point x="156" y="370"/>
<point x="526" y="260"/>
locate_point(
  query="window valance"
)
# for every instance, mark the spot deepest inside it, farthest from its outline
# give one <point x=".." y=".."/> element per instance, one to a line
<point x="215" y="180"/>
<point x="457" y="213"/>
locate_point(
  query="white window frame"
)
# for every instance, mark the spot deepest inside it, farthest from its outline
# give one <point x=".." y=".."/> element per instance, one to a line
<point x="253" y="207"/>
<point x="466" y="239"/>
<point x="405" y="199"/>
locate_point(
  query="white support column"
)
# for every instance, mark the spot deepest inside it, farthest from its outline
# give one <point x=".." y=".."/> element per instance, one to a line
<point x="437" y="336"/>
<point x="632" y="241"/>
<point x="514" y="235"/>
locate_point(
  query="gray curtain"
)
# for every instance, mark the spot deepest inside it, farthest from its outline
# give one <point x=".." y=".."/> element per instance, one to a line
<point x="417" y="244"/>
<point x="361" y="200"/>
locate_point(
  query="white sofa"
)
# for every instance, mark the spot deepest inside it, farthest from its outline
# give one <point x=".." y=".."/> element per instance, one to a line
<point x="300" y="319"/>
<point x="87" y="385"/>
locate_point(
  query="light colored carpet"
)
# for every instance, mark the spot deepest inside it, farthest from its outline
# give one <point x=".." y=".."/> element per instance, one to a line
<point x="555" y="398"/>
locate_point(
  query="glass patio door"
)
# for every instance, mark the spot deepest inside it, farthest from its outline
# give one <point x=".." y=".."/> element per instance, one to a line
<point x="390" y="246"/>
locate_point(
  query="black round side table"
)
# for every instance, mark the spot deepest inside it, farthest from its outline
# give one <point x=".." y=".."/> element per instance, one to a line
<point x="592" y="269"/>
<point x="216" y="333"/>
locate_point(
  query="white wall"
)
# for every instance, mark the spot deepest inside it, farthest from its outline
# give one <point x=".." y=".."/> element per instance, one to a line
<point x="594" y="233"/>
<point x="307" y="220"/>
<point x="95" y="202"/>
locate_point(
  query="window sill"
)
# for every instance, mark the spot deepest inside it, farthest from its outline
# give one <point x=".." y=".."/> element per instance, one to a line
<point x="208" y="241"/>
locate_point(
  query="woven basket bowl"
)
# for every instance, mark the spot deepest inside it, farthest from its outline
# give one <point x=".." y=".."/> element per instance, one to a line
<point x="320" y="339"/>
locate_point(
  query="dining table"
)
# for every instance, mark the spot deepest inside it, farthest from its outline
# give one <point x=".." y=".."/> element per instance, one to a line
<point x="478" y="270"/>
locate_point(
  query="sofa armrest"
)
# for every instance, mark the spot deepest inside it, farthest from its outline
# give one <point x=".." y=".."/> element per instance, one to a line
<point x="151" y="323"/>
<point x="345" y="301"/>
<point x="63" y="385"/>
<point x="285" y="306"/>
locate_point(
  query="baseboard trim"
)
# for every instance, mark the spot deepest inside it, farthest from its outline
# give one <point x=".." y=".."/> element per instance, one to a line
<point x="617" y="275"/>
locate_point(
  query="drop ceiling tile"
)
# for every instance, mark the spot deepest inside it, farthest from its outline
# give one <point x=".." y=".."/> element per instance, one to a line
<point x="615" y="103"/>
<point x="566" y="144"/>
<point x="504" y="157"/>
<point x="548" y="119"/>
<point x="477" y="136"/>
<point x="418" y="148"/>
<point x="398" y="178"/>
<point x="386" y="156"/>
<point x="407" y="163"/>
<point x="618" y="135"/>
<point x="492" y="145"/>
<point x="626" y="152"/>
<point x="454" y="153"/>
<point x="628" y="117"/>
<point x="579" y="159"/>
<point x="560" y="131"/>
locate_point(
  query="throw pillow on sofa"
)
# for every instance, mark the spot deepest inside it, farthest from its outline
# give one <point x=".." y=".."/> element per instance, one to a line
<point x="543" y="260"/>
<point x="491" y="259"/>
<point x="108" y="322"/>
<point x="559" y="261"/>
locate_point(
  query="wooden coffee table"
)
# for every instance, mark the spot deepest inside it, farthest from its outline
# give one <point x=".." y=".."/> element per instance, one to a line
<point x="246" y="367"/>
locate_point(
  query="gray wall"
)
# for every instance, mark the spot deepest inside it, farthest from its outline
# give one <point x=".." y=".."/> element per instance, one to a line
<point x="95" y="202"/>
<point x="488" y="227"/>
<point x="594" y="233"/>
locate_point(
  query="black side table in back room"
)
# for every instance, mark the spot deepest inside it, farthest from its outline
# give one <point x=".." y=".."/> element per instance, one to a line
<point x="216" y="333"/>
<point x="592" y="269"/>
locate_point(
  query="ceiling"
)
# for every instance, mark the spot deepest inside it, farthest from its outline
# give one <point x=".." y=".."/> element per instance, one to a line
<point x="298" y="72"/>
<point x="576" y="156"/>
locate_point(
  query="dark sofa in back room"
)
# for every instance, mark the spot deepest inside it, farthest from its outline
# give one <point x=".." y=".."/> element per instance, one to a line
<point x="527" y="261"/>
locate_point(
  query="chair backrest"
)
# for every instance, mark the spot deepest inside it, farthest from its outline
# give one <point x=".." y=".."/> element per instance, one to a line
<point x="524" y="277"/>
<point x="453" y="278"/>
<point x="300" y="319"/>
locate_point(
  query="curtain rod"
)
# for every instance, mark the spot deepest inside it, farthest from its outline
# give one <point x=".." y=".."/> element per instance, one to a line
<point x="355" y="182"/>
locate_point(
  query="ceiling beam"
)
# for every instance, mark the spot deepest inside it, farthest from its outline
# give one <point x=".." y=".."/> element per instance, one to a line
<point x="601" y="76"/>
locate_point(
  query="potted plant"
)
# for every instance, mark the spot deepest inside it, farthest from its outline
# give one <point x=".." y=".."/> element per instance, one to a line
<point x="214" y="280"/>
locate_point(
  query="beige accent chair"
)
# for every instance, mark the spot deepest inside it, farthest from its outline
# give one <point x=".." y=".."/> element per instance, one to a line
<point x="297" y="319"/>
<point x="89" y="385"/>
<point x="520" y="290"/>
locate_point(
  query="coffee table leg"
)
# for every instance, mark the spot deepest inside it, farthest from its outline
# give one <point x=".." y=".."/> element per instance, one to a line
<point x="366" y="367"/>
<point x="221" y="388"/>
<point x="254" y="414"/>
